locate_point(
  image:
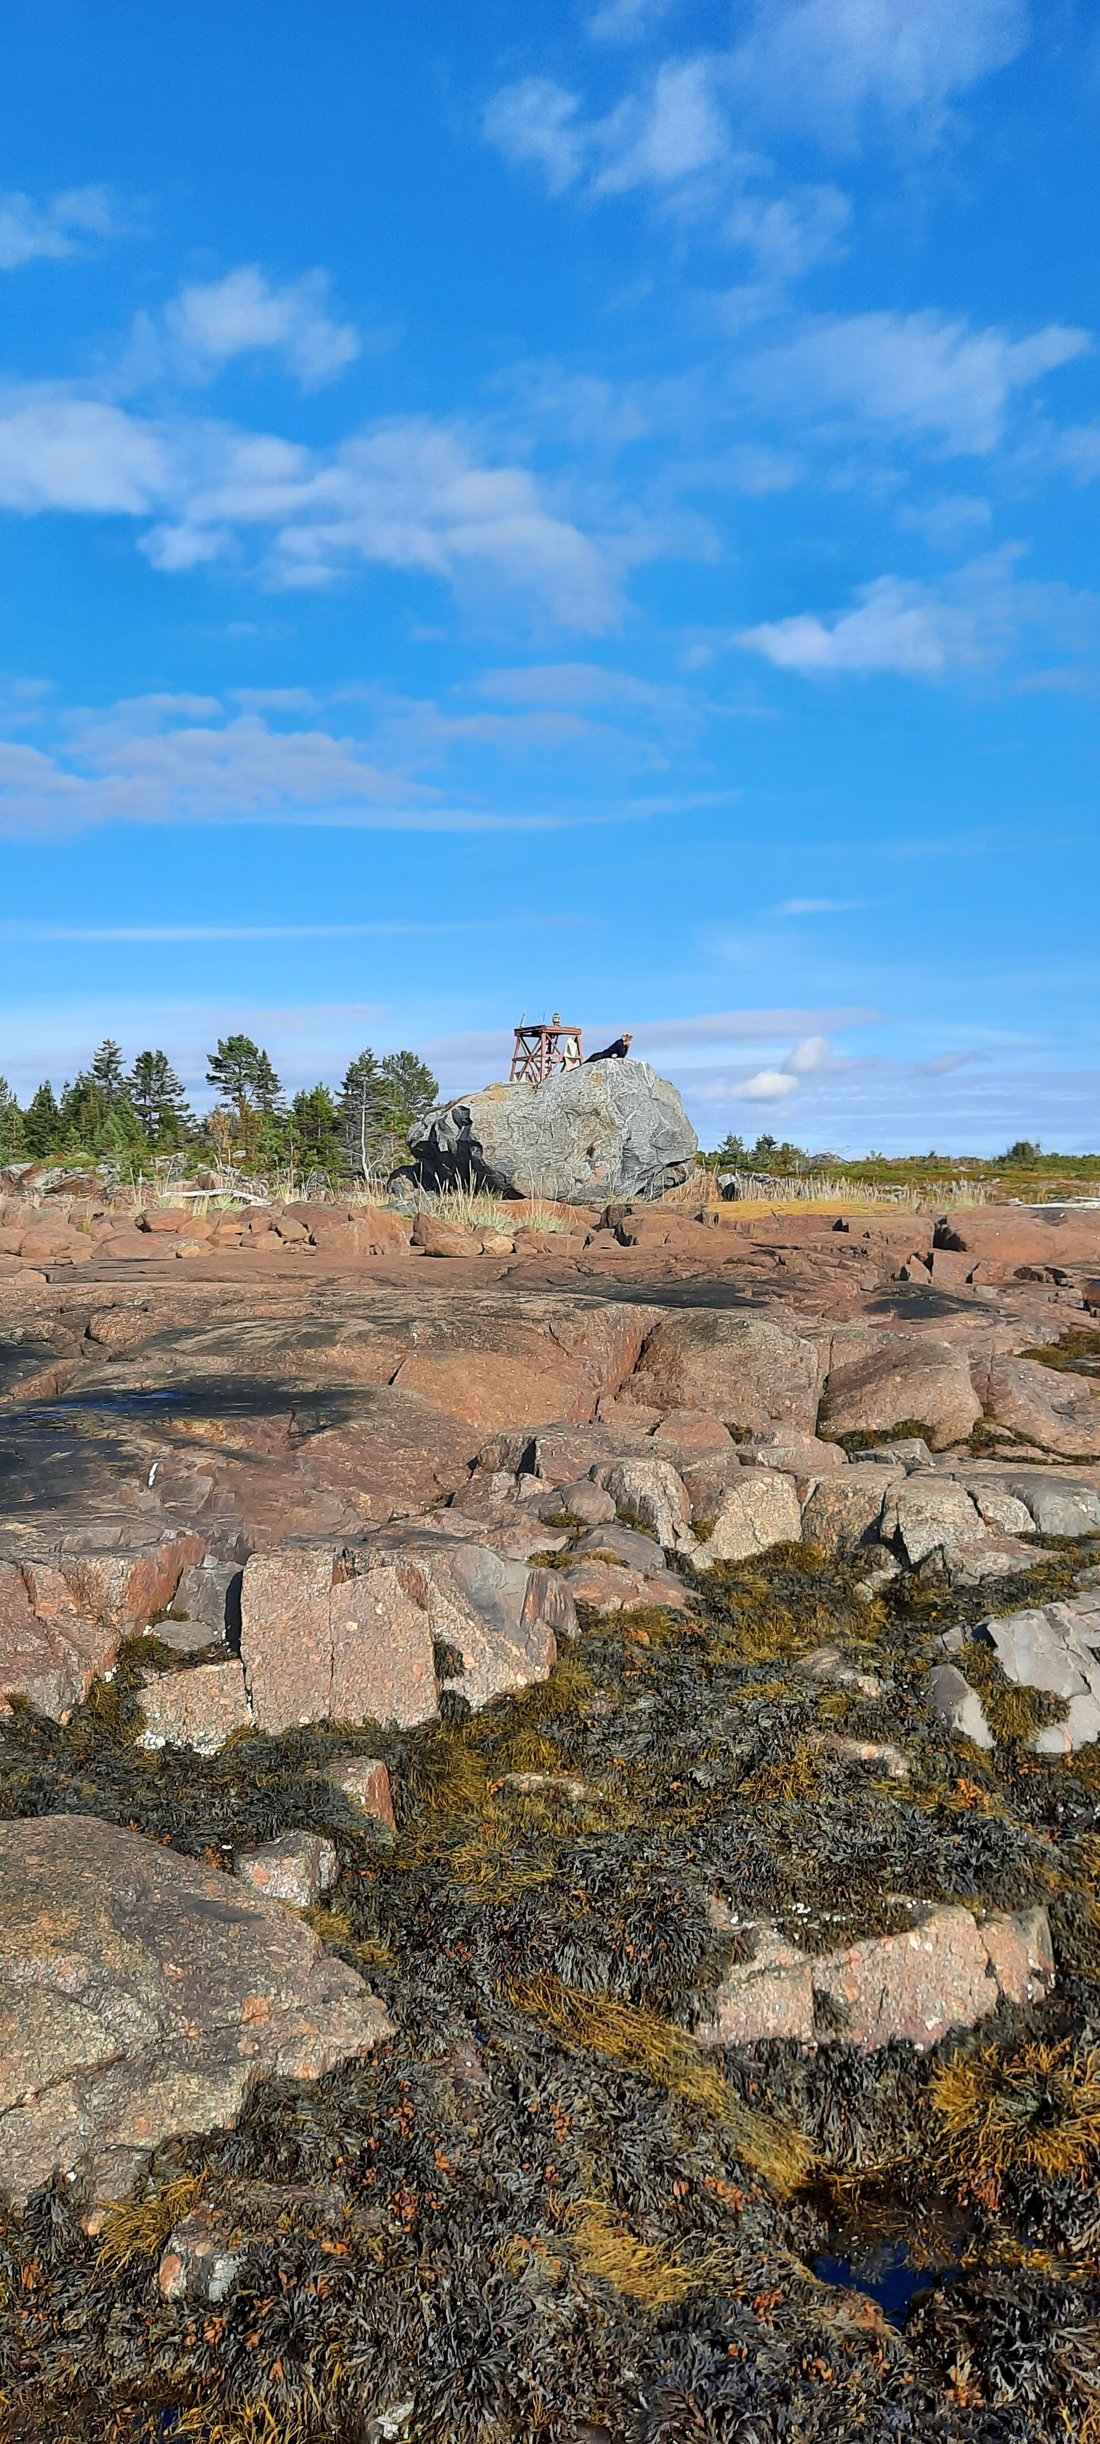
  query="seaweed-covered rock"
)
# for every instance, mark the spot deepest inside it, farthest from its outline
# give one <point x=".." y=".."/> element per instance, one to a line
<point x="142" y="1994"/>
<point x="611" y="1129"/>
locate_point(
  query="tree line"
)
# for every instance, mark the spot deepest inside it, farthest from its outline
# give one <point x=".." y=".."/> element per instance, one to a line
<point x="129" y="1114"/>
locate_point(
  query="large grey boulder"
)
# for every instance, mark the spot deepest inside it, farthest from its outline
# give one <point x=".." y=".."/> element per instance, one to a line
<point x="611" y="1129"/>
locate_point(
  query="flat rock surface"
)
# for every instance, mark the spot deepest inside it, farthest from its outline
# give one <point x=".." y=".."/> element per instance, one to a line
<point x="142" y="1994"/>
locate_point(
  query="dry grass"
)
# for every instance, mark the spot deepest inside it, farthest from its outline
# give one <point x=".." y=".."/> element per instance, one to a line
<point x="787" y="1193"/>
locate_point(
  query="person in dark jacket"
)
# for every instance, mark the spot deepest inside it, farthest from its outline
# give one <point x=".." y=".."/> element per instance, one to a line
<point x="612" y="1052"/>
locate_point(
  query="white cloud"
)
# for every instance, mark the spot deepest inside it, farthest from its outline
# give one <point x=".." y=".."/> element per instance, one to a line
<point x="813" y="1054"/>
<point x="534" y="124"/>
<point x="791" y="233"/>
<point x="768" y="1086"/>
<point x="30" y="232"/>
<point x="976" y="618"/>
<point x="834" y="66"/>
<point x="827" y="67"/>
<point x="668" y="133"/>
<point x="1077" y="449"/>
<point x="895" y="627"/>
<point x="949" y="521"/>
<point x="626" y="20"/>
<point x="244" y="314"/>
<point x="410" y="494"/>
<point x="17" y="928"/>
<point x="58" y="452"/>
<point x="925" y="375"/>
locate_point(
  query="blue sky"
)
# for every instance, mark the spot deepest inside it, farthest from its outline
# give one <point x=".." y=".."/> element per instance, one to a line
<point x="586" y="506"/>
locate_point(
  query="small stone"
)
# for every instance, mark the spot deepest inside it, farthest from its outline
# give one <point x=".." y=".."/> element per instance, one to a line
<point x="760" y="1510"/>
<point x="946" y="1970"/>
<point x="957" y="1705"/>
<point x="844" y="1511"/>
<point x="553" y="1786"/>
<point x="182" y="1637"/>
<point x="1036" y="1654"/>
<point x="622" y="1544"/>
<point x="652" y="1492"/>
<point x="296" y="1867"/>
<point x="866" y="1752"/>
<point x="366" y="1782"/>
<point x="1058" y="1507"/>
<point x="827" y="1664"/>
<point x="1000" y="1509"/>
<point x="194" y="1709"/>
<point x="928" y="1514"/>
<point x="162" y="1991"/>
<point x="1079" y="1729"/>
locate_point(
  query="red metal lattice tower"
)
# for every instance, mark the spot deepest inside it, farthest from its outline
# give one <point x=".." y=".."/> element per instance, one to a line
<point x="544" y="1048"/>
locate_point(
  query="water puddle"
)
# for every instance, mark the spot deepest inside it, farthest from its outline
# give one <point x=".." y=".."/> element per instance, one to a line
<point x="887" y="2275"/>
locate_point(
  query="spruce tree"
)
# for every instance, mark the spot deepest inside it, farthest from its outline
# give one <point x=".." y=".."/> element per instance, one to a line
<point x="360" y="1107"/>
<point x="107" y="1070"/>
<point x="315" y="1130"/>
<point x="409" y="1091"/>
<point x="11" y="1125"/>
<point x="158" y="1098"/>
<point x="42" y="1124"/>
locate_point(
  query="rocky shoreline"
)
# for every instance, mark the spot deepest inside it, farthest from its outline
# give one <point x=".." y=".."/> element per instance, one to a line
<point x="623" y="1712"/>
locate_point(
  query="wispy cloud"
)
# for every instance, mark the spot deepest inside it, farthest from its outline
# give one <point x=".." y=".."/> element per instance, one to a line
<point x="23" y="930"/>
<point x="626" y="20"/>
<point x="832" y="69"/>
<point x="31" y="232"/>
<point x="193" y="760"/>
<point x="749" y="1026"/>
<point x="802" y="908"/>
<point x="839" y="68"/>
<point x="925" y="376"/>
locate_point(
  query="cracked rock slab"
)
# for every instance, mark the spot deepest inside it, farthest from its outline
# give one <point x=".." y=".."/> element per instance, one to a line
<point x="141" y="1995"/>
<point x="946" y="1970"/>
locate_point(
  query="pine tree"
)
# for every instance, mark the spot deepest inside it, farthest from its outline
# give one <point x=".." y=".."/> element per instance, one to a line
<point x="42" y="1124"/>
<point x="243" y="1075"/>
<point x="107" y="1071"/>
